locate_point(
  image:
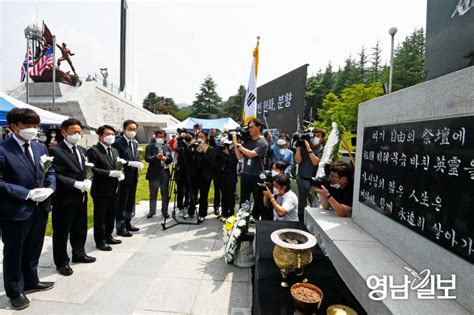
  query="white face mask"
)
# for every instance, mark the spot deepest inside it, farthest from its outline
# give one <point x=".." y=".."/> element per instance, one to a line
<point x="29" y="133"/>
<point x="281" y="142"/>
<point x="275" y="191"/>
<point x="159" y="140"/>
<point x="315" y="141"/>
<point x="130" y="134"/>
<point x="109" y="139"/>
<point x="337" y="186"/>
<point x="73" y="139"/>
<point x="275" y="173"/>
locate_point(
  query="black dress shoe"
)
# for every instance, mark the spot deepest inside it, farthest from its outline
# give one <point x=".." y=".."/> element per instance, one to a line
<point x="124" y="233"/>
<point x="103" y="247"/>
<point x="20" y="302"/>
<point x="41" y="286"/>
<point x="150" y="215"/>
<point x="65" y="270"/>
<point x="84" y="259"/>
<point x="132" y="228"/>
<point x="113" y="241"/>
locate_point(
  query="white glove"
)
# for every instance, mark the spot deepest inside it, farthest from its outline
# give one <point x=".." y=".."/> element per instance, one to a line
<point x="34" y="192"/>
<point x="135" y="164"/>
<point x="121" y="161"/>
<point x="80" y="185"/>
<point x="122" y="177"/>
<point x="115" y="174"/>
<point x="88" y="184"/>
<point x="42" y="194"/>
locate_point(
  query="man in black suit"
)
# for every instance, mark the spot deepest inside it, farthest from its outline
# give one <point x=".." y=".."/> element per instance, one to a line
<point x="158" y="155"/>
<point x="24" y="206"/>
<point x="128" y="150"/>
<point x="70" y="201"/>
<point x="105" y="187"/>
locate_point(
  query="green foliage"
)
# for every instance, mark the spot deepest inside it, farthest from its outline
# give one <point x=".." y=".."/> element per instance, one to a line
<point x="376" y="62"/>
<point x="343" y="109"/>
<point x="409" y="61"/>
<point x="184" y="112"/>
<point x="208" y="103"/>
<point x="233" y="106"/>
<point x="159" y="104"/>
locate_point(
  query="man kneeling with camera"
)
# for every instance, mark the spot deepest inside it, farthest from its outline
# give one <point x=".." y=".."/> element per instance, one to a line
<point x="285" y="202"/>
<point x="339" y="194"/>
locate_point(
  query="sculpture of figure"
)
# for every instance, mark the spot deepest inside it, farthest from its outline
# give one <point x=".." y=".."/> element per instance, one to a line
<point x="105" y="74"/>
<point x="65" y="56"/>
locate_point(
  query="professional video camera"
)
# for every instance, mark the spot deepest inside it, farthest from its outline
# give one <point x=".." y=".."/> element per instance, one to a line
<point x="297" y="140"/>
<point x="183" y="136"/>
<point x="324" y="180"/>
<point x="242" y="132"/>
<point x="265" y="179"/>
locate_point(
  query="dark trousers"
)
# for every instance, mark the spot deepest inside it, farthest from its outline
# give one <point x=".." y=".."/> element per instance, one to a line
<point x="104" y="216"/>
<point x="69" y="220"/>
<point x="217" y="180"/>
<point x="126" y="204"/>
<point x="202" y="188"/>
<point x="22" y="245"/>
<point x="248" y="186"/>
<point x="161" y="184"/>
<point x="228" y="196"/>
<point x="185" y="195"/>
<point x="304" y="195"/>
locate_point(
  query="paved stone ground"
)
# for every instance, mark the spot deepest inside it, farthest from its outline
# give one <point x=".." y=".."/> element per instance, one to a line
<point x="176" y="271"/>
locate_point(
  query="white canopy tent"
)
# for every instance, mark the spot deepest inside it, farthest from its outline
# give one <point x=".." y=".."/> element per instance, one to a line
<point x="188" y="124"/>
<point x="47" y="118"/>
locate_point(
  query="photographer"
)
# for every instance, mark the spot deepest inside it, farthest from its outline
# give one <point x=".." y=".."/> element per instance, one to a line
<point x="277" y="168"/>
<point x="184" y="174"/>
<point x="307" y="158"/>
<point x="204" y="156"/>
<point x="158" y="155"/>
<point x="284" y="202"/>
<point x="227" y="162"/>
<point x="280" y="152"/>
<point x="253" y="152"/>
<point x="339" y="195"/>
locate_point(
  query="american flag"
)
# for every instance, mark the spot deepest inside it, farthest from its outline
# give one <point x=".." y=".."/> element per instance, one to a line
<point x="28" y="61"/>
<point x="45" y="61"/>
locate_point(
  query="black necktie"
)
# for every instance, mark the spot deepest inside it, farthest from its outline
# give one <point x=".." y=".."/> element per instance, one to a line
<point x="28" y="154"/>
<point x="76" y="158"/>
<point x="131" y="148"/>
<point x="109" y="152"/>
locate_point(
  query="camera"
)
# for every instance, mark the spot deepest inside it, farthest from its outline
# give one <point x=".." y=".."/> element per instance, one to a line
<point x="183" y="138"/>
<point x="298" y="139"/>
<point x="242" y="132"/>
<point x="196" y="143"/>
<point x="265" y="179"/>
<point x="324" y="180"/>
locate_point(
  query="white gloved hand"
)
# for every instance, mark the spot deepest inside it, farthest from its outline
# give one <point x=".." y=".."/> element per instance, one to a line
<point x="32" y="193"/>
<point x="42" y="195"/>
<point x="88" y="184"/>
<point x="122" y="177"/>
<point x="135" y="164"/>
<point x="115" y="174"/>
<point x="80" y="185"/>
<point x="121" y="161"/>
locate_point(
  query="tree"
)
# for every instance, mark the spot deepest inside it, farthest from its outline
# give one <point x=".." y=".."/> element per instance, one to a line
<point x="344" y="109"/>
<point x="234" y="105"/>
<point x="159" y="104"/>
<point x="184" y="112"/>
<point x="347" y="77"/>
<point x="376" y="62"/>
<point x="208" y="102"/>
<point x="361" y="66"/>
<point x="409" y="61"/>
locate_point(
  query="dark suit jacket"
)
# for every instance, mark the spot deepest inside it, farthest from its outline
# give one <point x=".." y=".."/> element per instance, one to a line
<point x="155" y="167"/>
<point x="121" y="144"/>
<point x="103" y="185"/>
<point x="18" y="177"/>
<point x="68" y="171"/>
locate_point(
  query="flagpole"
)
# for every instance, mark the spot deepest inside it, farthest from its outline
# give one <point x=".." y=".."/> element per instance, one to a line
<point x="54" y="71"/>
<point x="27" y="71"/>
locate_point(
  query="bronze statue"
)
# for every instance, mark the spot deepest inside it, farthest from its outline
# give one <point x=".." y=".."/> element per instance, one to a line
<point x="65" y="56"/>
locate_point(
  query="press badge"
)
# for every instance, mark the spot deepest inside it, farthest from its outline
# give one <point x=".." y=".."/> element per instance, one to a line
<point x="249" y="161"/>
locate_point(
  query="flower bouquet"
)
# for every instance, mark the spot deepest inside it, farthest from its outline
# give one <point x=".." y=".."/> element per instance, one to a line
<point x="234" y="229"/>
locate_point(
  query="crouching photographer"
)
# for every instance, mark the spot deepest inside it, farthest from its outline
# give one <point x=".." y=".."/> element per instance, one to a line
<point x="284" y="202"/>
<point x="338" y="190"/>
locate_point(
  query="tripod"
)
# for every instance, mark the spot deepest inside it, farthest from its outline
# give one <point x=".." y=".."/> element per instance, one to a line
<point x="173" y="189"/>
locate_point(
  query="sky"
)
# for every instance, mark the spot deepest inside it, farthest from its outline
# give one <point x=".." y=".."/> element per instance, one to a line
<point x="174" y="45"/>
